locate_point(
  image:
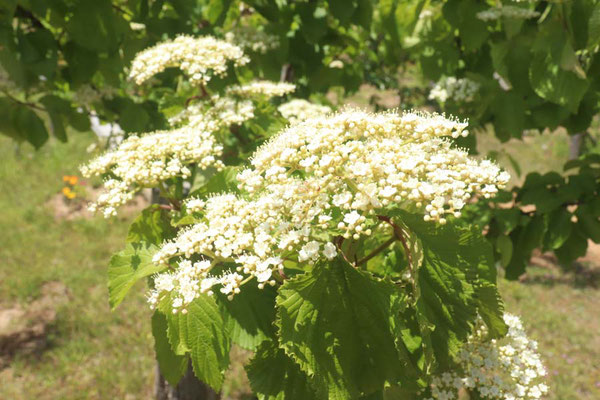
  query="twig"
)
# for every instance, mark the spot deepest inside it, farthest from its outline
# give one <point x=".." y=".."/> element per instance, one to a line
<point x="376" y="251"/>
<point x="31" y="105"/>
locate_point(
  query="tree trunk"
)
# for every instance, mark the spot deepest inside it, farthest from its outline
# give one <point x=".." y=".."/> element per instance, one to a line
<point x="189" y="387"/>
<point x="575" y="142"/>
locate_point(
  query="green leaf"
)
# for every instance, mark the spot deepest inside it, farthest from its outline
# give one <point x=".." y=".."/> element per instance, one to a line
<point x="559" y="229"/>
<point x="132" y="116"/>
<point x="250" y="315"/>
<point x="594" y="28"/>
<point x="446" y="299"/>
<point x="79" y="120"/>
<point x="81" y="63"/>
<point x="94" y="26"/>
<point x="509" y="119"/>
<point x="554" y="84"/>
<point x="588" y="222"/>
<point x="57" y="110"/>
<point x="544" y="200"/>
<point x="29" y="126"/>
<point x="275" y="376"/>
<point x="216" y="11"/>
<point x="201" y="331"/>
<point x="127" y="267"/>
<point x="338" y="324"/>
<point x="504" y="247"/>
<point x="574" y="247"/>
<point x="172" y="366"/>
<point x="342" y="9"/>
<point x="514" y="163"/>
<point x="220" y="182"/>
<point x="456" y="280"/>
<point x="153" y="226"/>
<point x="525" y="239"/>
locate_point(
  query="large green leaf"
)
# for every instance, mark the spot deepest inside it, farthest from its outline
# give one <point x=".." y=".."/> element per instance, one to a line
<point x="339" y="324"/>
<point x="127" y="267"/>
<point x="457" y="280"/>
<point x="95" y="26"/>
<point x="172" y="366"/>
<point x="201" y="331"/>
<point x="250" y="315"/>
<point x="554" y="84"/>
<point x="509" y="118"/>
<point x="525" y="239"/>
<point x="275" y="376"/>
<point x="589" y="223"/>
<point x="575" y="246"/>
<point x="29" y="126"/>
<point x="559" y="229"/>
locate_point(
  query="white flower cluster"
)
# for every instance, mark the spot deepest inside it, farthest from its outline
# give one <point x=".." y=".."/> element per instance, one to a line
<point x="507" y="11"/>
<point x="250" y="38"/>
<point x="505" y="369"/>
<point x="219" y="112"/>
<point x="326" y="177"/>
<point x="262" y="88"/>
<point x="148" y="160"/>
<point x="199" y="58"/>
<point x="224" y="111"/>
<point x="458" y="90"/>
<point x="298" y="110"/>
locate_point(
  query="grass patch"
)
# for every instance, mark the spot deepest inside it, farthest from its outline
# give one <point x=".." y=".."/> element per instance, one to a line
<point x="561" y="314"/>
<point x="93" y="353"/>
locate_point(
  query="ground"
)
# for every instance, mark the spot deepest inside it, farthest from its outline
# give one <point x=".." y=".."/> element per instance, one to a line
<point x="93" y="353"/>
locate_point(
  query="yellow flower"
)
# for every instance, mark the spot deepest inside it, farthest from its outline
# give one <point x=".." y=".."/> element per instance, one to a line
<point x="68" y="193"/>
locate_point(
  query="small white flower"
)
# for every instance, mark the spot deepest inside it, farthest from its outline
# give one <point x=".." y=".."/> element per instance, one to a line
<point x="329" y="251"/>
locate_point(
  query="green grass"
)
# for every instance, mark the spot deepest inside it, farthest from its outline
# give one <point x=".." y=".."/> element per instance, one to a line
<point x="561" y="313"/>
<point x="98" y="354"/>
<point x="93" y="353"/>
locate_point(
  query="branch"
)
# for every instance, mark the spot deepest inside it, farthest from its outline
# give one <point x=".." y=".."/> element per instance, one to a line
<point x="400" y="236"/>
<point x="31" y="105"/>
<point x="376" y="251"/>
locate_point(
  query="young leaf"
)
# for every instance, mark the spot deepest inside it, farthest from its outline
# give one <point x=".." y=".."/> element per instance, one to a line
<point x="200" y="331"/>
<point x="171" y="365"/>
<point x="339" y="324"/>
<point x="127" y="267"/>
<point x="275" y="376"/>
<point x="151" y="226"/>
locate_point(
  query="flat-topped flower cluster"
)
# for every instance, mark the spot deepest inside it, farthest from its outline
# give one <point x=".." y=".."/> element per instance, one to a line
<point x="261" y="88"/>
<point x="298" y="110"/>
<point x="508" y="12"/>
<point x="233" y="108"/>
<point x="146" y="161"/>
<point x="251" y="38"/>
<point x="200" y="58"/>
<point x="323" y="178"/>
<point x="458" y="90"/>
<point x="151" y="159"/>
<point x="505" y="369"/>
